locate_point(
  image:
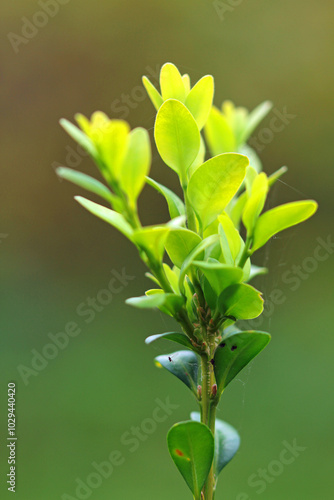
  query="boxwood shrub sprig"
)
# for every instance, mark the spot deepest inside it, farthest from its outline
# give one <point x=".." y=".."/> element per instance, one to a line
<point x="200" y="261"/>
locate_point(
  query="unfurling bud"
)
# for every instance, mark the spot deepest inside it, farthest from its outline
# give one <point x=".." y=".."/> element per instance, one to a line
<point x="214" y="391"/>
<point x="195" y="299"/>
<point x="199" y="392"/>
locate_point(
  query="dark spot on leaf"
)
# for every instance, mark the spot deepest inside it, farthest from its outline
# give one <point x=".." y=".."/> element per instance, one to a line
<point x="234" y="347"/>
<point x="179" y="453"/>
<point x="212" y="361"/>
<point x="222" y="345"/>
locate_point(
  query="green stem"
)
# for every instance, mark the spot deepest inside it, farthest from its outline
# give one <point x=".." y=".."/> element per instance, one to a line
<point x="246" y="253"/>
<point x="191" y="219"/>
<point x="182" y="316"/>
<point x="210" y="482"/>
<point x="206" y="389"/>
<point x="208" y="416"/>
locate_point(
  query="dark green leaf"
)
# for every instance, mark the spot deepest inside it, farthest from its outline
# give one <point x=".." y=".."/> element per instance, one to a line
<point x="191" y="446"/>
<point x="235" y="352"/>
<point x="183" y="364"/>
<point x="179" y="338"/>
<point x="241" y="301"/>
<point x="227" y="442"/>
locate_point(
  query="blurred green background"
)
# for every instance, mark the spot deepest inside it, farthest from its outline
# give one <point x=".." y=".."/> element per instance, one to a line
<point x="54" y="255"/>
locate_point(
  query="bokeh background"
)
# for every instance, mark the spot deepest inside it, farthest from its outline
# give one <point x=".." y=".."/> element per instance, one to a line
<point x="55" y="256"/>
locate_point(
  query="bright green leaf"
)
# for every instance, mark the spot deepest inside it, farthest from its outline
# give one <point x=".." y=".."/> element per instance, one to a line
<point x="220" y="276"/>
<point x="179" y="244"/>
<point x="236" y="207"/>
<point x="235" y="352"/>
<point x="240" y="301"/>
<point x="280" y="218"/>
<point x="256" y="271"/>
<point x="229" y="238"/>
<point x="191" y="445"/>
<point x="186" y="83"/>
<point x="153" y="94"/>
<point x="171" y="83"/>
<point x="277" y="175"/>
<point x="199" y="100"/>
<point x="177" y="136"/>
<point x="112" y="145"/>
<point x="136" y="164"/>
<point x="152" y="240"/>
<point x="115" y="219"/>
<point x="81" y="138"/>
<point x="214" y="184"/>
<point x="254" y="118"/>
<point x="175" y="204"/>
<point x="251" y="175"/>
<point x="252" y="155"/>
<point x="199" y="160"/>
<point x="86" y="182"/>
<point x="171" y="304"/>
<point x="255" y="202"/>
<point x="173" y="277"/>
<point x="147" y="301"/>
<point x="194" y="254"/>
<point x="218" y="133"/>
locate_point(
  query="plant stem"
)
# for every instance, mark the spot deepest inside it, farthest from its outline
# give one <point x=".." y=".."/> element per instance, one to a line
<point x="208" y="414"/>
<point x="205" y="389"/>
<point x="246" y="253"/>
<point x="210" y="482"/>
<point x="191" y="220"/>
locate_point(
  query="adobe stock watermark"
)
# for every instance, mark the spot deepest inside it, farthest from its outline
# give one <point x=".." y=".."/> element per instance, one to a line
<point x="293" y="278"/>
<point x="225" y="7"/>
<point x="87" y="312"/>
<point x="127" y="102"/>
<point x="130" y="441"/>
<point x="265" y="476"/>
<point x="31" y="27"/>
<point x="277" y="124"/>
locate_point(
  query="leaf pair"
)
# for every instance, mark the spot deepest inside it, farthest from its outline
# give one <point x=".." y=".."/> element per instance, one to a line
<point x="279" y="218"/>
<point x="194" y="449"/>
<point x="229" y="129"/>
<point x="198" y="100"/>
<point x="169" y="303"/>
<point x="213" y="184"/>
<point x="123" y="156"/>
<point x="150" y="239"/>
<point x="236" y="350"/>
